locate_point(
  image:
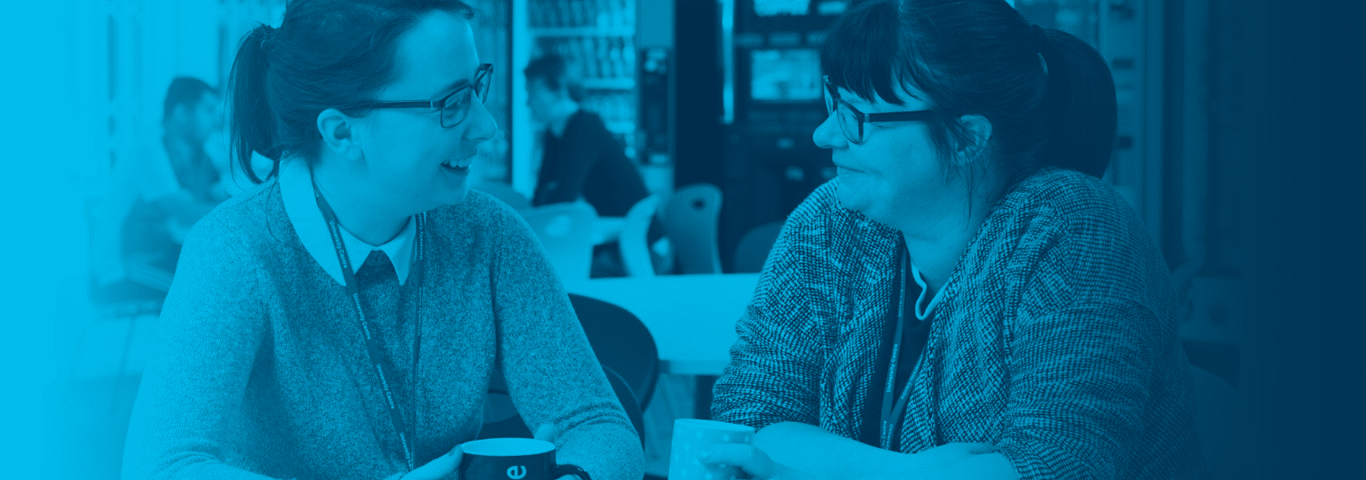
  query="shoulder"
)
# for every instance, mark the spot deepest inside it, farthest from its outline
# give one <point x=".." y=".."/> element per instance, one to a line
<point x="479" y="215"/>
<point x="1065" y="228"/>
<point x="1074" y="200"/>
<point x="586" y="121"/>
<point x="244" y="216"/>
<point x="821" y="219"/>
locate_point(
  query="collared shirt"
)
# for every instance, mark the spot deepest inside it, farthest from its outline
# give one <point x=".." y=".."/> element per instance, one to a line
<point x="296" y="190"/>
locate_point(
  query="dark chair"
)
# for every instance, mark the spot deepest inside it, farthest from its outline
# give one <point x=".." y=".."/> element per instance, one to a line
<point x="621" y="342"/>
<point x="501" y="419"/>
<point x="752" y="251"/>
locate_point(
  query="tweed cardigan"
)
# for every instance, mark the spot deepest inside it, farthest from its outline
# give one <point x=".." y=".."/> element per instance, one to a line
<point x="1055" y="338"/>
<point x="262" y="366"/>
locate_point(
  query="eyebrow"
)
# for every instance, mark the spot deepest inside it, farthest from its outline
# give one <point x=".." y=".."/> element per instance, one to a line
<point x="451" y="87"/>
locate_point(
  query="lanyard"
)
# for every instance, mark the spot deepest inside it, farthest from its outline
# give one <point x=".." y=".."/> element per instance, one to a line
<point x="405" y="430"/>
<point x="890" y="414"/>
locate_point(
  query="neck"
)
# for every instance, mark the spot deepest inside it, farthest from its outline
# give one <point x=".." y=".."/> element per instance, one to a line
<point x="936" y="246"/>
<point x="370" y="219"/>
<point x="566" y="111"/>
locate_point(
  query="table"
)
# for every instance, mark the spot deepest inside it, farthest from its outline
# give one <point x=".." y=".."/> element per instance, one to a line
<point x="692" y="317"/>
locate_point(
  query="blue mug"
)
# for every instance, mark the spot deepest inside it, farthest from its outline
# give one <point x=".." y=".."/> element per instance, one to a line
<point x="513" y="459"/>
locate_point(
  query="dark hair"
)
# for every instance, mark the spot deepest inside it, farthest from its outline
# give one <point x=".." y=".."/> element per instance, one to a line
<point x="553" y="69"/>
<point x="981" y="57"/>
<point x="326" y="54"/>
<point x="184" y="91"/>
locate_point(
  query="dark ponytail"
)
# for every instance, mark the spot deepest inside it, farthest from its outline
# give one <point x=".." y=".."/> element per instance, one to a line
<point x="1080" y="106"/>
<point x="326" y="54"/>
<point x="252" y="125"/>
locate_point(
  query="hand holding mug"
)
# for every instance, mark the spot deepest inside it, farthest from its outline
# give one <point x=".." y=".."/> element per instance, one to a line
<point x="440" y="468"/>
<point x="751" y="460"/>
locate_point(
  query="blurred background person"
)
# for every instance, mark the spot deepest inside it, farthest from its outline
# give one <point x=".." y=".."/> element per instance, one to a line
<point x="581" y="160"/>
<point x="155" y="197"/>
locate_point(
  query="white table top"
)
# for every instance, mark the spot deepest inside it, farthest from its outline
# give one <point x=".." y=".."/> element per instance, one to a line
<point x="692" y="317"/>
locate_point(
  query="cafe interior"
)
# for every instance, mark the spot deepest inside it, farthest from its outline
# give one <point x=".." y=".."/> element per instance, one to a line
<point x="713" y="103"/>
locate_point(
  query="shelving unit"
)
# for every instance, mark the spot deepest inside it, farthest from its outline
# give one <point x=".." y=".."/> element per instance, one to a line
<point x="597" y="37"/>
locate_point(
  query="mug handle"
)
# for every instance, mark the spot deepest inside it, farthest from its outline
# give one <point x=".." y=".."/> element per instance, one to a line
<point x="575" y="470"/>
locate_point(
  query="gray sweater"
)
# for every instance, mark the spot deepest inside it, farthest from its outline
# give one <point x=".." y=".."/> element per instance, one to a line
<point x="261" y="369"/>
<point x="1055" y="337"/>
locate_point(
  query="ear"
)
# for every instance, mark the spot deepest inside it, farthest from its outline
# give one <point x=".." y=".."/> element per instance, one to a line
<point x="979" y="136"/>
<point x="339" y="133"/>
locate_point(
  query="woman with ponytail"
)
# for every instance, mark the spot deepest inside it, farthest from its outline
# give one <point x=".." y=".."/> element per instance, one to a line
<point x="344" y="319"/>
<point x="966" y="299"/>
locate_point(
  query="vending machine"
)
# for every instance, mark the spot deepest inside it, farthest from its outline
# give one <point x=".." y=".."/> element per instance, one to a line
<point x="765" y="63"/>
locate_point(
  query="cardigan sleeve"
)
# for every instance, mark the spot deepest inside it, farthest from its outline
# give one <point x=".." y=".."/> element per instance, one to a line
<point x="774" y="371"/>
<point x="552" y="375"/>
<point x="1082" y="350"/>
<point x="210" y="329"/>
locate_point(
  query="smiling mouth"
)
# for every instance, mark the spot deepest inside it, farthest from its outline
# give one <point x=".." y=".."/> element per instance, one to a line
<point x="459" y="165"/>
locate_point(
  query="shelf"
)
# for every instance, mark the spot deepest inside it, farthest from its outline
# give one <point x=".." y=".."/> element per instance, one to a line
<point x="624" y="83"/>
<point x="582" y="32"/>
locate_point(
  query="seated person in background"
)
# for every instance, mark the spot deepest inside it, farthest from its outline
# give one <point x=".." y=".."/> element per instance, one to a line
<point x="156" y="196"/>
<point x="581" y="159"/>
<point x="967" y="299"/>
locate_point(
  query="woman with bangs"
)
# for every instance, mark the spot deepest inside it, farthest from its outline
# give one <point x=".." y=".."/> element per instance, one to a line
<point x="343" y="320"/>
<point x="966" y="299"/>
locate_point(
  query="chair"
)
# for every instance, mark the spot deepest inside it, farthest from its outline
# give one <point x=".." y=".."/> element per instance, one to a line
<point x="689" y="219"/>
<point x="566" y="232"/>
<point x="752" y="251"/>
<point x="1216" y="417"/>
<point x="621" y="342"/>
<point x="634" y="242"/>
<point x="505" y="193"/>
<point x="501" y="419"/>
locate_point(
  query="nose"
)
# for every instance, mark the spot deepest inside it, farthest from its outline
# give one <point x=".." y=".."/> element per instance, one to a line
<point x="828" y="135"/>
<point x="481" y="125"/>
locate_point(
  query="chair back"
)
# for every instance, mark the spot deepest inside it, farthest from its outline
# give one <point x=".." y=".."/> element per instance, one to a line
<point x="501" y="419"/>
<point x="752" y="251"/>
<point x="621" y="342"/>
<point x="1216" y="418"/>
<point x="689" y="219"/>
<point x="634" y="238"/>
<point x="566" y="232"/>
<point x="504" y="193"/>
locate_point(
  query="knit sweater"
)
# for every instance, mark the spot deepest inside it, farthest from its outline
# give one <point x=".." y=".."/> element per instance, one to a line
<point x="262" y="368"/>
<point x="1055" y="338"/>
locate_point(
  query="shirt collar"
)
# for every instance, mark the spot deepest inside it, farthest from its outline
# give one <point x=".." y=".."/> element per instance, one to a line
<point x="296" y="190"/>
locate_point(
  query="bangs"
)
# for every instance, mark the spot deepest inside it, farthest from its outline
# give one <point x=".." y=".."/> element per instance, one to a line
<point x="861" y="48"/>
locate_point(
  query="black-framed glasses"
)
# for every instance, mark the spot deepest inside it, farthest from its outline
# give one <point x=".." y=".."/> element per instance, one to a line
<point x="851" y="120"/>
<point x="454" y="107"/>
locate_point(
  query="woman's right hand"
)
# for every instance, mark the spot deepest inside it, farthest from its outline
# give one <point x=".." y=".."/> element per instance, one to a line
<point x="440" y="468"/>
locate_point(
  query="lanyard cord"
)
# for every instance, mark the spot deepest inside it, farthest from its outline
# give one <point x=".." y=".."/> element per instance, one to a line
<point x="406" y="430"/>
<point x="891" y="415"/>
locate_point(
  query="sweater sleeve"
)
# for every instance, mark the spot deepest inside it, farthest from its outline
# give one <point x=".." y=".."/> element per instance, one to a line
<point x="774" y="371"/>
<point x="1081" y="353"/>
<point x="552" y="375"/>
<point x="210" y="329"/>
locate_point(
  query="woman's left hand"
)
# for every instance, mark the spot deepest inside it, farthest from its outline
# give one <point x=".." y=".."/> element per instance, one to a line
<point x="753" y="461"/>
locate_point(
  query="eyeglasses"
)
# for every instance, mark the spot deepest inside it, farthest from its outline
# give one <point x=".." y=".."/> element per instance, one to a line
<point x="454" y="107"/>
<point x="851" y="120"/>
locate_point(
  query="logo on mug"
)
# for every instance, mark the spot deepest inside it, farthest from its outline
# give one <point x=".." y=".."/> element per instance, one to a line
<point x="516" y="472"/>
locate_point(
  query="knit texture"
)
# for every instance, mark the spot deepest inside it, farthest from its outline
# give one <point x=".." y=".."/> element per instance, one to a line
<point x="261" y="369"/>
<point x="1056" y="337"/>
